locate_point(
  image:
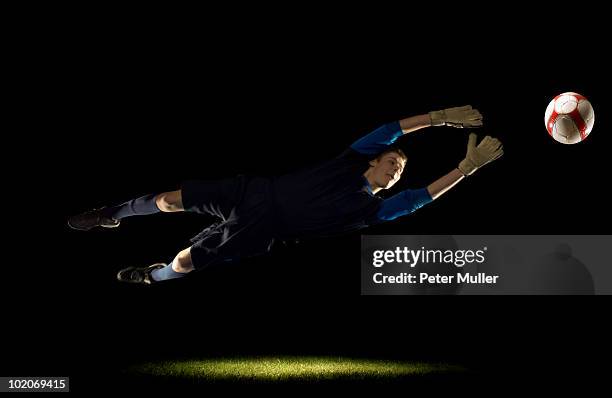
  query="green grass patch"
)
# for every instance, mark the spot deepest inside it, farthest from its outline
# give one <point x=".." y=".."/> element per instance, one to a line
<point x="289" y="368"/>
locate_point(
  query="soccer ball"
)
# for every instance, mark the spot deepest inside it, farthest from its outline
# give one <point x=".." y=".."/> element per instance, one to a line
<point x="569" y="118"/>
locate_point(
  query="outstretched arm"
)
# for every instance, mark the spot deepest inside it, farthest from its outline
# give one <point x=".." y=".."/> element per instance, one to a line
<point x="378" y="140"/>
<point x="410" y="200"/>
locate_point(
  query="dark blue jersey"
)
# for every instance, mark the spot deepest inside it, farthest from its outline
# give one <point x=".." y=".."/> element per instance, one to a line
<point x="335" y="197"/>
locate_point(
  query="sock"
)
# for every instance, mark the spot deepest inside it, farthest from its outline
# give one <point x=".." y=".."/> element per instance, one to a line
<point x="135" y="207"/>
<point x="166" y="273"/>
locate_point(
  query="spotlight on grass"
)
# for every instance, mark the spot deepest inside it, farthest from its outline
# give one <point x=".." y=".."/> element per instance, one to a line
<point x="289" y="368"/>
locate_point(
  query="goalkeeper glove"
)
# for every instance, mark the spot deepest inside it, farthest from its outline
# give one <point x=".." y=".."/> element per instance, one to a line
<point x="462" y="116"/>
<point x="487" y="151"/>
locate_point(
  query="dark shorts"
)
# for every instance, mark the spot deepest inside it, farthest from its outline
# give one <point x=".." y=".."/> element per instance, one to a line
<point x="245" y="225"/>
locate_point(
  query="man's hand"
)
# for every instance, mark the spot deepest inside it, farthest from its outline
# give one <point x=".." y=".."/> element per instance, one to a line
<point x="462" y="116"/>
<point x="487" y="151"/>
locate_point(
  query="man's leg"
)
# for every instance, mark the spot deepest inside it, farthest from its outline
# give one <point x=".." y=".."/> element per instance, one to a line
<point x="216" y="198"/>
<point x="168" y="202"/>
<point x="178" y="268"/>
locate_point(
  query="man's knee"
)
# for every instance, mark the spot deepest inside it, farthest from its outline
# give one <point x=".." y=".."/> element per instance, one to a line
<point x="182" y="262"/>
<point x="170" y="202"/>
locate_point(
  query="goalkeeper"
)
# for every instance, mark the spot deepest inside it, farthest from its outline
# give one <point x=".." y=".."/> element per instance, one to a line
<point x="334" y="197"/>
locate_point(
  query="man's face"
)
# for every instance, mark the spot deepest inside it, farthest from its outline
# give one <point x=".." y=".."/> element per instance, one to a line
<point x="388" y="169"/>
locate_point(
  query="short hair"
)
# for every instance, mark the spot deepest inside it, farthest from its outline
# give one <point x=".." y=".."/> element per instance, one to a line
<point x="395" y="149"/>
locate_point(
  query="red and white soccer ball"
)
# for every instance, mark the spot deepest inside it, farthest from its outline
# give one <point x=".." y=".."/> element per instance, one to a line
<point x="569" y="118"/>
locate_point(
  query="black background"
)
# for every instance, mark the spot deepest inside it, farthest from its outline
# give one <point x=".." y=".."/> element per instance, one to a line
<point x="118" y="107"/>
